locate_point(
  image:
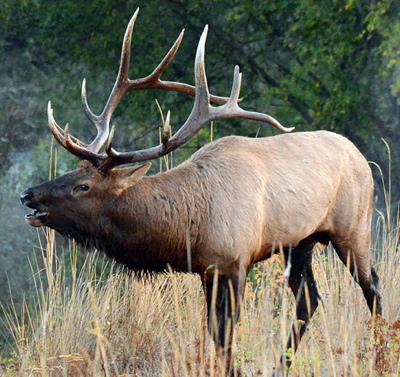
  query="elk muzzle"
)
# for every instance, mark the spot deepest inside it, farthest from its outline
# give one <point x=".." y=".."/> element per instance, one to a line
<point x="38" y="217"/>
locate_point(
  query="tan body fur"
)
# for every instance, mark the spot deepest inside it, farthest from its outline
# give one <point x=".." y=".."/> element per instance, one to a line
<point x="240" y="198"/>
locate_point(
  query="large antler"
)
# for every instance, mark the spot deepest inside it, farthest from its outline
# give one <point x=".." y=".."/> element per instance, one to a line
<point x="202" y="112"/>
<point x="121" y="86"/>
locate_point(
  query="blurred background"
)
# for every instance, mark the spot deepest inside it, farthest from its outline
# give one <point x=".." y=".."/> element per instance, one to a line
<point x="332" y="65"/>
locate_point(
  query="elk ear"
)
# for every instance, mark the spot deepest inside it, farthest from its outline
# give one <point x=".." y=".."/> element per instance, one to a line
<point x="128" y="177"/>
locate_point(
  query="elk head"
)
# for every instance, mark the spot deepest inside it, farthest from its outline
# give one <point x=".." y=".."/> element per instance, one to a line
<point x="78" y="197"/>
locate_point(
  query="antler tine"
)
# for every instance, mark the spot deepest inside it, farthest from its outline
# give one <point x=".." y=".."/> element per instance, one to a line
<point x="70" y="143"/>
<point x="110" y="140"/>
<point x="236" y="85"/>
<point x="119" y="89"/>
<point x="202" y="93"/>
<point x="163" y="65"/>
<point x="201" y="109"/>
<point x="126" y="51"/>
<point x="122" y="77"/>
<point x="153" y="80"/>
<point x="232" y="110"/>
<point x="93" y="118"/>
<point x="55" y="129"/>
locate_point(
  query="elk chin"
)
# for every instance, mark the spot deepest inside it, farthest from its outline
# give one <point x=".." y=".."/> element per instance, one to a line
<point x="36" y="218"/>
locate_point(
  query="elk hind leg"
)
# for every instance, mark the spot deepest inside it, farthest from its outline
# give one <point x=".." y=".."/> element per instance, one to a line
<point x="355" y="254"/>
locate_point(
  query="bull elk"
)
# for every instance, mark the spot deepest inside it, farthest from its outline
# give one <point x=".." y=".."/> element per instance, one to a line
<point x="232" y="204"/>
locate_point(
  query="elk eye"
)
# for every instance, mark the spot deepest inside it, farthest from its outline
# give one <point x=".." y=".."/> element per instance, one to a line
<point x="81" y="188"/>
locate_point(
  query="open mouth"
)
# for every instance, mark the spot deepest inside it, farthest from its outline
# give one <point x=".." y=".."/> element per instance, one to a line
<point x="36" y="218"/>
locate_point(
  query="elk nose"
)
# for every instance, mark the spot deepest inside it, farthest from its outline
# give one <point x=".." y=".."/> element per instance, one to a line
<point x="26" y="196"/>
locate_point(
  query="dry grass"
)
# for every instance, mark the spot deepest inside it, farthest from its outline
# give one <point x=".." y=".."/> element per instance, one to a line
<point x="90" y="323"/>
<point x="98" y="320"/>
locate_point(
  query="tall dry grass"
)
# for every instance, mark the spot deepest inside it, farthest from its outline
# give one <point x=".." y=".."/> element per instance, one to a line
<point x="102" y="321"/>
<point x="95" y="319"/>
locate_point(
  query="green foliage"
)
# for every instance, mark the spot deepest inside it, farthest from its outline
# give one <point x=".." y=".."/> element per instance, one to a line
<point x="315" y="65"/>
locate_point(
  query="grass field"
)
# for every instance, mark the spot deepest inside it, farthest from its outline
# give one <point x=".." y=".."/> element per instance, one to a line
<point x="92" y="318"/>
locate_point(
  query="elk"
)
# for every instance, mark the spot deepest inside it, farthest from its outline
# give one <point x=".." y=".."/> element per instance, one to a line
<point x="235" y="202"/>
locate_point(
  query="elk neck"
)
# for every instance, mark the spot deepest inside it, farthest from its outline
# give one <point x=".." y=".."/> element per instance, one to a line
<point x="149" y="226"/>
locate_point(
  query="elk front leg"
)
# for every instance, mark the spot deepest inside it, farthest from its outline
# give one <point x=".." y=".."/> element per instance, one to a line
<point x="223" y="295"/>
